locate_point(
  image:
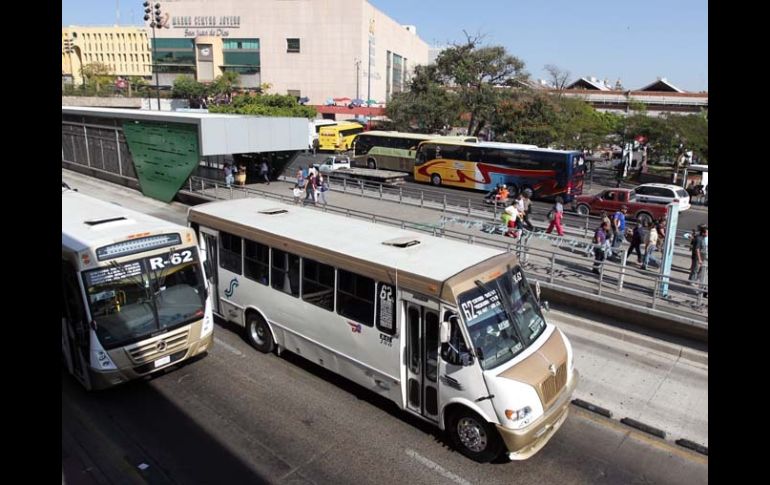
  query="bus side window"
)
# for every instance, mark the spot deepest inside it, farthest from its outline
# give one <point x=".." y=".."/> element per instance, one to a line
<point x="230" y="252"/>
<point x="453" y="351"/>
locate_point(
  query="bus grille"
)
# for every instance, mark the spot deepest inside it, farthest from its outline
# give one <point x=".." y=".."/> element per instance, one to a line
<point x="150" y="350"/>
<point x="550" y="387"/>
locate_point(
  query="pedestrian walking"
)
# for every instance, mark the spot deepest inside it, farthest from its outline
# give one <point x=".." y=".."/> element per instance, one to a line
<point x="264" y="172"/>
<point x="555" y="216"/>
<point x="310" y="187"/>
<point x="323" y="183"/>
<point x="651" y="245"/>
<point x="299" y="186"/>
<point x="229" y="177"/>
<point x="619" y="226"/>
<point x="525" y="195"/>
<point x="698" y="247"/>
<point x="636" y="243"/>
<point x="600" y="248"/>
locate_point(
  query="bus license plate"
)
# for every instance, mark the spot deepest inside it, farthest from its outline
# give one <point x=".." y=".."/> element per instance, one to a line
<point x="161" y="362"/>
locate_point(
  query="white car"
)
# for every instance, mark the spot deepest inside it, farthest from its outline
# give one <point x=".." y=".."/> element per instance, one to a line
<point x="333" y="163"/>
<point x="663" y="194"/>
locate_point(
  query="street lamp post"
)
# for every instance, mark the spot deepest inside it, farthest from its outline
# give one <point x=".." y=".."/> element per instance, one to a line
<point x="155" y="22"/>
<point x="358" y="75"/>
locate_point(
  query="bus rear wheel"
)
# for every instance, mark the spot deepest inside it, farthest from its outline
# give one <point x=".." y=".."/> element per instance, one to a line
<point x="371" y="164"/>
<point x="473" y="436"/>
<point x="435" y="179"/>
<point x="258" y="333"/>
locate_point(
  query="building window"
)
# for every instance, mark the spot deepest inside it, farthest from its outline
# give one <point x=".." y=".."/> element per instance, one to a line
<point x="292" y="45"/>
<point x="294" y="92"/>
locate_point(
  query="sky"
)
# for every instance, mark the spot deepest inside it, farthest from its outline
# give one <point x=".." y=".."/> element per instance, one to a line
<point x="636" y="42"/>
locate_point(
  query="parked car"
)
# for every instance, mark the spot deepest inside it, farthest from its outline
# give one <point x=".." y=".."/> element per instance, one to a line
<point x="663" y="194"/>
<point x="333" y="163"/>
<point x="612" y="200"/>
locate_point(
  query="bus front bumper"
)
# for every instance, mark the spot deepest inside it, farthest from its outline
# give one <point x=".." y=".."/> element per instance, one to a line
<point x="525" y="442"/>
<point x="106" y="379"/>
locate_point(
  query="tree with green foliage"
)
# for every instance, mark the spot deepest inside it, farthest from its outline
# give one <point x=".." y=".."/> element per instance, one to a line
<point x="96" y="75"/>
<point x="425" y="107"/>
<point x="225" y="84"/>
<point x="526" y="116"/>
<point x="194" y="92"/>
<point x="266" y="105"/>
<point x="580" y="126"/>
<point x="476" y="74"/>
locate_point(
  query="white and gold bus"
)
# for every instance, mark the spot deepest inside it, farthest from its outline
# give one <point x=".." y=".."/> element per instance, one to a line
<point x="450" y="332"/>
<point x="393" y="150"/>
<point x="134" y="293"/>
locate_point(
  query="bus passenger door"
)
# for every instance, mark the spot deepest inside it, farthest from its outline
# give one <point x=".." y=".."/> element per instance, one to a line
<point x="209" y="248"/>
<point x="75" y="332"/>
<point x="422" y="348"/>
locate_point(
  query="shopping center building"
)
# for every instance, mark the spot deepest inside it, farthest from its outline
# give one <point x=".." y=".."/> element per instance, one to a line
<point x="318" y="49"/>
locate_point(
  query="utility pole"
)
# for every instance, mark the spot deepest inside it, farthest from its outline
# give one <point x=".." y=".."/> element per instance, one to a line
<point x="358" y="75"/>
<point x="156" y="18"/>
<point x="369" y="85"/>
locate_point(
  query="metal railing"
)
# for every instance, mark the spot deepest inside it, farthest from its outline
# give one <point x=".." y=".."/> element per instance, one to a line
<point x="573" y="223"/>
<point x="568" y="269"/>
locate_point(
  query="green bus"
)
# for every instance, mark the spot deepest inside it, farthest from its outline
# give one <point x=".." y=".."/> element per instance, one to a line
<point x="393" y="150"/>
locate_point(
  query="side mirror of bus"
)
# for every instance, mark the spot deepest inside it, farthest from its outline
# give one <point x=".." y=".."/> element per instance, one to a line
<point x="208" y="269"/>
<point x="537" y="290"/>
<point x="444" y="332"/>
<point x="545" y="306"/>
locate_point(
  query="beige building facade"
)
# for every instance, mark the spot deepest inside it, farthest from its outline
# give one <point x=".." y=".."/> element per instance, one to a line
<point x="125" y="49"/>
<point x="318" y="49"/>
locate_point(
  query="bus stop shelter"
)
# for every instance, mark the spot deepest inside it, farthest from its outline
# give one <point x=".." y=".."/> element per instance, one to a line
<point x="161" y="149"/>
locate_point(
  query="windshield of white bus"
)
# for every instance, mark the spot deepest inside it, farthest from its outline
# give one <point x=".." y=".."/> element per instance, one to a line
<point x="502" y="316"/>
<point x="135" y="300"/>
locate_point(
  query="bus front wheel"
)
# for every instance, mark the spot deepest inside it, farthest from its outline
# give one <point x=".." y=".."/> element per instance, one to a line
<point x="435" y="179"/>
<point x="473" y="436"/>
<point x="258" y="332"/>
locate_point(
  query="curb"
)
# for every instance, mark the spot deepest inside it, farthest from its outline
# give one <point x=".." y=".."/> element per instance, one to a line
<point x="593" y="408"/>
<point x="658" y="433"/>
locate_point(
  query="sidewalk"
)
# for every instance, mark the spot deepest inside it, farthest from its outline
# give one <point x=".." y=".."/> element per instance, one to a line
<point x="571" y="260"/>
<point x="663" y="385"/>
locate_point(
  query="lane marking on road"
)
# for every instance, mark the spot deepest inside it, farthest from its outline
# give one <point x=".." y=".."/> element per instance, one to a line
<point x="435" y="466"/>
<point x="227" y="346"/>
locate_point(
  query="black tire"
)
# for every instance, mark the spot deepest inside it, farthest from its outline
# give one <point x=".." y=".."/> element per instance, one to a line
<point x="371" y="164"/>
<point x="644" y="218"/>
<point x="473" y="436"/>
<point x="583" y="210"/>
<point x="435" y="179"/>
<point x="258" y="333"/>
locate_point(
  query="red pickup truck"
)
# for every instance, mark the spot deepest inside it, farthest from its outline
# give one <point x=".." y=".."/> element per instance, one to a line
<point x="612" y="200"/>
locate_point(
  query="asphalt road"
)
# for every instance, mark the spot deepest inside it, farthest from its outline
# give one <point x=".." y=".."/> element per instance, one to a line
<point x="238" y="416"/>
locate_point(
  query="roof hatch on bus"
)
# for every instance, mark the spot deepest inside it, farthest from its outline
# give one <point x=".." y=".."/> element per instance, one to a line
<point x="96" y="222"/>
<point x="273" y="212"/>
<point x="401" y="242"/>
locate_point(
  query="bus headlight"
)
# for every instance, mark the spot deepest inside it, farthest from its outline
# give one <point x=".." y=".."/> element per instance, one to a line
<point x="102" y="361"/>
<point x="208" y="324"/>
<point x="518" y="414"/>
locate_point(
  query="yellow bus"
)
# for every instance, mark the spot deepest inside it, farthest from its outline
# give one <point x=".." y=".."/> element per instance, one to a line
<point x="393" y="150"/>
<point x="451" y="333"/>
<point x="134" y="293"/>
<point x="338" y="137"/>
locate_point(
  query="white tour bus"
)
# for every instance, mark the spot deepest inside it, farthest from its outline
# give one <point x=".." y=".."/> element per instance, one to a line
<point x="448" y="331"/>
<point x="134" y="293"/>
